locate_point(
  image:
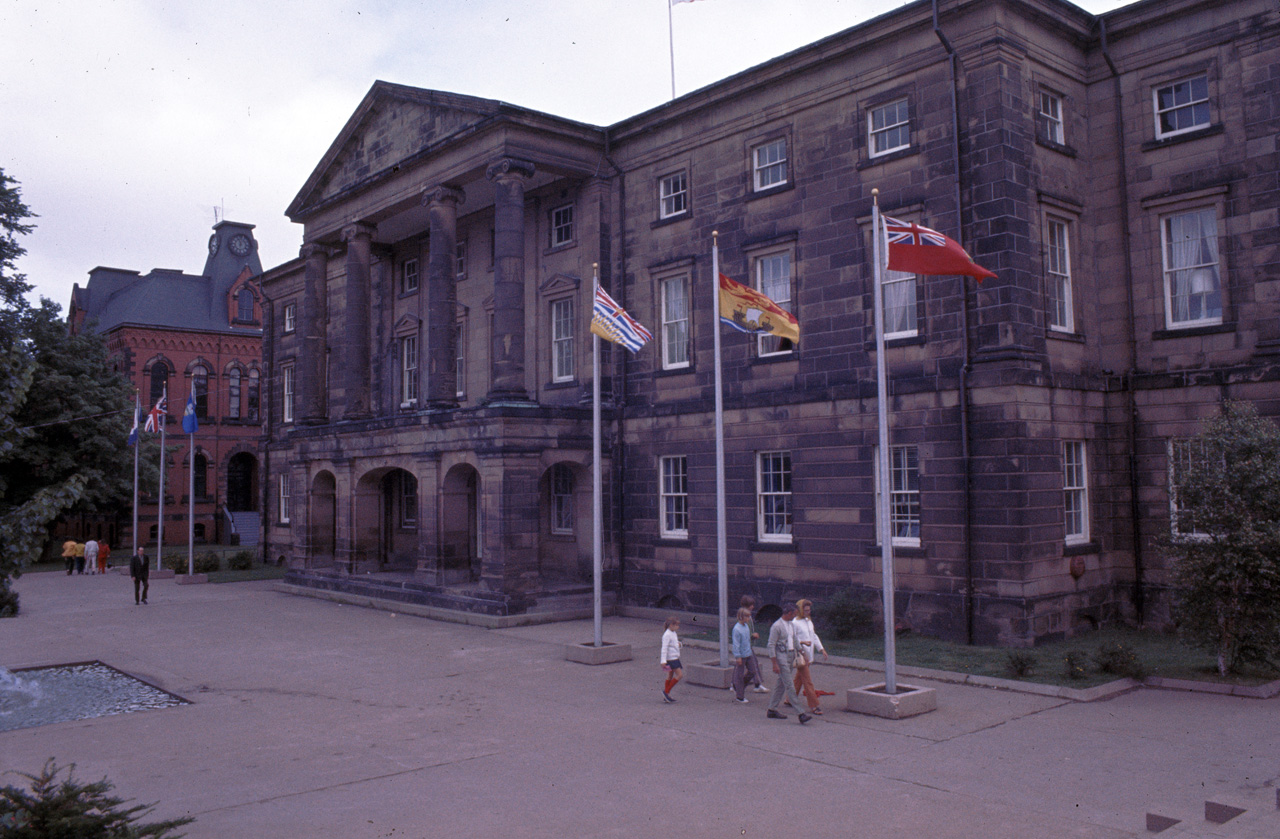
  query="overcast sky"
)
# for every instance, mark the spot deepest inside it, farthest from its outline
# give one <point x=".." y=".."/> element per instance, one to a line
<point x="129" y="124"/>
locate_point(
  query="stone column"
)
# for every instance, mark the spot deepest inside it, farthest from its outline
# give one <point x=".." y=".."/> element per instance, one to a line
<point x="313" y="321"/>
<point x="507" y="342"/>
<point x="355" y="325"/>
<point x="442" y="291"/>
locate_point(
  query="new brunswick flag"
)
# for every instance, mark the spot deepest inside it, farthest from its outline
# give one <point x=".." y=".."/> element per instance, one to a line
<point x="747" y="310"/>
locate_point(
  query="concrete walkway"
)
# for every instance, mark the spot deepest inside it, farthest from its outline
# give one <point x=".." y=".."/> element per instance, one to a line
<point x="315" y="719"/>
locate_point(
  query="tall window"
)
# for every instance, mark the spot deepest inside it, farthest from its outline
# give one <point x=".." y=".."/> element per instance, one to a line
<point x="562" y="340"/>
<point x="244" y="305"/>
<point x="888" y="128"/>
<point x="773" y="280"/>
<point x="201" y="477"/>
<point x="674" y="500"/>
<point x="460" y="357"/>
<point x="1183" y="456"/>
<point x="1058" y="271"/>
<point x="233" y="393"/>
<point x="1049" y="117"/>
<point x="773" y="494"/>
<point x="1192" y="288"/>
<point x="899" y="290"/>
<point x="409" y="276"/>
<point x="460" y="259"/>
<point x="283" y="499"/>
<point x="254" y="391"/>
<point x="562" y="225"/>
<point x="904" y="495"/>
<point x="769" y="164"/>
<point x="408" y="491"/>
<point x="286" y="393"/>
<point x="290" y="317"/>
<point x="408" y="370"/>
<point x="673" y="195"/>
<point x="200" y="388"/>
<point x="159" y="381"/>
<point x="1182" y="106"/>
<point x="675" y="322"/>
<point x="1075" y="492"/>
<point x="561" y="499"/>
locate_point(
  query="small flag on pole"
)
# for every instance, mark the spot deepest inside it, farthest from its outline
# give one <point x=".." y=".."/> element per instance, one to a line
<point x="190" y="425"/>
<point x="747" y="310"/>
<point x="156" y="416"/>
<point x="133" y="432"/>
<point x="916" y="249"/>
<point x="612" y="323"/>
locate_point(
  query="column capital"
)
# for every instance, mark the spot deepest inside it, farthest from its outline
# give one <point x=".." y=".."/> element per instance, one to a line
<point x="510" y="167"/>
<point x="357" y="230"/>
<point x="310" y="249"/>
<point x="442" y="194"/>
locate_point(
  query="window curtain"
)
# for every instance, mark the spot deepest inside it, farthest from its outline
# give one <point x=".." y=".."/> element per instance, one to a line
<point x="1194" y="287"/>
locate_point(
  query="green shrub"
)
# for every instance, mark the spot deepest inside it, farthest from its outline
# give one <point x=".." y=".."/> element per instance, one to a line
<point x="176" y="564"/>
<point x="1020" y="663"/>
<point x="845" y="616"/>
<point x="1119" y="659"/>
<point x="8" y="600"/>
<point x="207" y="563"/>
<point x="241" y="561"/>
<point x="66" y="808"/>
<point x="1073" y="665"/>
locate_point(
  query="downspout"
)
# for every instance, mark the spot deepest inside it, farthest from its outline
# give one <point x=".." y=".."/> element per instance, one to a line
<point x="268" y="359"/>
<point x="965" y="455"/>
<point x="619" y="388"/>
<point x="1131" y="405"/>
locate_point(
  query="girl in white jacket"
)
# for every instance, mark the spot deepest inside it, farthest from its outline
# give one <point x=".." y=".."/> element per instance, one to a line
<point x="809" y="646"/>
<point x="672" y="669"/>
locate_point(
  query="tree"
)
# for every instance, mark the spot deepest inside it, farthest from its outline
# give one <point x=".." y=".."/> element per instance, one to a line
<point x="1227" y="567"/>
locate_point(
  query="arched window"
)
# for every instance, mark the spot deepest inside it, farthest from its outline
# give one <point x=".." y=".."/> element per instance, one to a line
<point x="233" y="393"/>
<point x="200" y="387"/>
<point x="253" y="395"/>
<point x="201" y="479"/>
<point x="561" y="499"/>
<point x="159" y="381"/>
<point x="244" y="304"/>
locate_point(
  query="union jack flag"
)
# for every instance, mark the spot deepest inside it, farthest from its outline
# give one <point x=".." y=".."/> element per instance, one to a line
<point x="156" y="415"/>
<point x="910" y="233"/>
<point x="612" y="323"/>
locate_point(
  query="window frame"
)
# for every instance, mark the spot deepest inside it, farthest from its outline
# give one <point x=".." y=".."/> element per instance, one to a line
<point x="673" y="496"/>
<point x="242" y="296"/>
<point x="460" y="358"/>
<point x="563" y="345"/>
<point x="1052" y="127"/>
<point x="672" y="323"/>
<point x="562" y="521"/>
<point x="234" y="378"/>
<point x="460" y="259"/>
<point x="410" y="276"/>
<point x="409" y="382"/>
<point x="902" y="106"/>
<point x="283" y="500"/>
<point x="905" y="500"/>
<point x="561" y="227"/>
<point x="288" y="385"/>
<point x="667" y="200"/>
<point x="1177" y="107"/>
<point x="768" y="531"/>
<point x="1181" y="456"/>
<point x="1059" y="283"/>
<point x="200" y="389"/>
<point x="407" y="490"/>
<point x="782" y="163"/>
<point x="1075" y="492"/>
<point x="290" y="318"/>
<point x="770" y="346"/>
<point x="1168" y="274"/>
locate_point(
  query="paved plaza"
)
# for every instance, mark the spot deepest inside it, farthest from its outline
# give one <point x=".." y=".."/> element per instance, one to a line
<point x="314" y="719"/>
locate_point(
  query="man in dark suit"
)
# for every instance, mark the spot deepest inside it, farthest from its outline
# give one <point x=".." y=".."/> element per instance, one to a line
<point x="139" y="569"/>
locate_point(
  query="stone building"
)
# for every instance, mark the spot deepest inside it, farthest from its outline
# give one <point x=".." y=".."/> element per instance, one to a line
<point x="168" y="331"/>
<point x="431" y="360"/>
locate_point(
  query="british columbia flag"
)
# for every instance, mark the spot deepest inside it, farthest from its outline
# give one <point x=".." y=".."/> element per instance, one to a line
<point x="612" y="323"/>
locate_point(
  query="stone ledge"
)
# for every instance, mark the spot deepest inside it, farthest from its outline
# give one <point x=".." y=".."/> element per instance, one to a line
<point x="589" y="653"/>
<point x="909" y="701"/>
<point x="710" y="675"/>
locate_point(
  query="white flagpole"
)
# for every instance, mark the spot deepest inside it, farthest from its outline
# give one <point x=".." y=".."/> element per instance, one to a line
<point x="722" y="561"/>
<point x="137" y="444"/>
<point x="882" y="419"/>
<point x="671" y="41"/>
<point x="597" y="503"/>
<point x="160" y="518"/>
<point x="191" y="501"/>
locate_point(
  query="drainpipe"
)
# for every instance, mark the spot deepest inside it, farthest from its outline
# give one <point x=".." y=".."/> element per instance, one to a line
<point x="265" y="403"/>
<point x="1131" y="405"/>
<point x="965" y="367"/>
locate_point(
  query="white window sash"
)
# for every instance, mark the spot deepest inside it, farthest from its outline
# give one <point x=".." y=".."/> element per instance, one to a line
<point x="1075" y="485"/>
<point x="773" y="280"/>
<point x="1058" y="269"/>
<point x="675" y="323"/>
<point x="774" y="521"/>
<point x="889" y="128"/>
<point x="1193" y="286"/>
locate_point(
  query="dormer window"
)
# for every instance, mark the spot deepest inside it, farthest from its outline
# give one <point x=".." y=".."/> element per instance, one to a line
<point x="244" y="305"/>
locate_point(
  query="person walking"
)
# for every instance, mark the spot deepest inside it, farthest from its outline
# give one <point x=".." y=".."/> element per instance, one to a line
<point x="741" y="654"/>
<point x="808" y="645"/>
<point x="69" y="555"/>
<point x="139" y="570"/>
<point x="753" y="662"/>
<point x="104" y="551"/>
<point x="782" y="651"/>
<point x="79" y="557"/>
<point x="672" y="669"/>
<point x="91" y="556"/>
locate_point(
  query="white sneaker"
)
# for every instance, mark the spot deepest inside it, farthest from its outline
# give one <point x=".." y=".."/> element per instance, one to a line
<point x="761" y="689"/>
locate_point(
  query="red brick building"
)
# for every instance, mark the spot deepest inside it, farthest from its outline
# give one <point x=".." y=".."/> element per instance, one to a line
<point x="179" y="333"/>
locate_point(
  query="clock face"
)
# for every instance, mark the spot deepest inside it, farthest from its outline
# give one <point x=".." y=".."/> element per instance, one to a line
<point x="240" y="245"/>
<point x="213" y="244"/>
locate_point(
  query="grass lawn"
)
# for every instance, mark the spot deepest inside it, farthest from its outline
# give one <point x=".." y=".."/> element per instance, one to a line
<point x="179" y="554"/>
<point x="1157" y="654"/>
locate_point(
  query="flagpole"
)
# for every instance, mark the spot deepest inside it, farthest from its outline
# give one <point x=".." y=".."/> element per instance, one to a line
<point x="671" y="41"/>
<point x="164" y="399"/>
<point x="722" y="562"/>
<point x="191" y="500"/>
<point x="137" y="444"/>
<point x="882" y="454"/>
<point x="597" y="503"/>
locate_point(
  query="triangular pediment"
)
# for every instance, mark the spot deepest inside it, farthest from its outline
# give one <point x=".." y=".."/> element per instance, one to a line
<point x="408" y="323"/>
<point x="558" y="283"/>
<point x="392" y="124"/>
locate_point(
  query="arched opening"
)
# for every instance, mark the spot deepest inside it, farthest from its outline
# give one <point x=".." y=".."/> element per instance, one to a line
<point x="242" y="483"/>
<point x="323" y="518"/>
<point x="459" y="525"/>
<point x="386" y="520"/>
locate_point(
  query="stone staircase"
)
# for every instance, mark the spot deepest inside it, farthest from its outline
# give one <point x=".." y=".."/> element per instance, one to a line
<point x="248" y="526"/>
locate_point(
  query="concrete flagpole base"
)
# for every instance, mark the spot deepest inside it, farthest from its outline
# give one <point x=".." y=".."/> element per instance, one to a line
<point x="589" y="653"/>
<point x="907" y="702"/>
